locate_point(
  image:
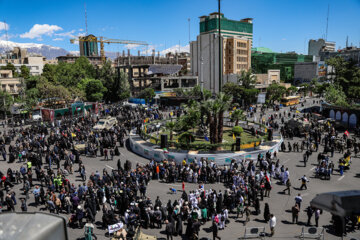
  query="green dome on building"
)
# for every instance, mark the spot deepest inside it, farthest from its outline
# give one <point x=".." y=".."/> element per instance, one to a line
<point x="262" y="49"/>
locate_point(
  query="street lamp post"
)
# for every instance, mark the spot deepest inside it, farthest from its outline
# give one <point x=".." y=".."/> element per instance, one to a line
<point x="202" y="78"/>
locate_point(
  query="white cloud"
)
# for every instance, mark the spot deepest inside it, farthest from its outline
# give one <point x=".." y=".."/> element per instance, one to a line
<point x="9" y="36"/>
<point x="39" y="30"/>
<point x="176" y="49"/>
<point x="4" y="26"/>
<point x="81" y="30"/>
<point x="131" y="46"/>
<point x="58" y="39"/>
<point x="148" y="49"/>
<point x="66" y="34"/>
<point x="284" y="39"/>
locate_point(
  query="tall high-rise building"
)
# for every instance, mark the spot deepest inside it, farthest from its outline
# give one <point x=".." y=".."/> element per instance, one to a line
<point x="236" y="41"/>
<point x="88" y="46"/>
<point x="320" y="45"/>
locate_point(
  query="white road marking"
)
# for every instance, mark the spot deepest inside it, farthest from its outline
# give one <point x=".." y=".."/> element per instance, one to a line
<point x="340" y="178"/>
<point x="109" y="166"/>
<point x="287" y="160"/>
<point x="312" y="169"/>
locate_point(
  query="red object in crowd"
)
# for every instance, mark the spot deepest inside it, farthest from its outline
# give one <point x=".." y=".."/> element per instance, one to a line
<point x="183" y="186"/>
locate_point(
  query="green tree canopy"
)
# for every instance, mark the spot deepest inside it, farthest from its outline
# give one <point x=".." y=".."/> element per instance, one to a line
<point x="94" y="90"/>
<point x="25" y="72"/>
<point x="148" y="94"/>
<point x="275" y="92"/>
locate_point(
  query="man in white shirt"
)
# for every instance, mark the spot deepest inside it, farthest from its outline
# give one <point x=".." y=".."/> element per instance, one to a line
<point x="272" y="224"/>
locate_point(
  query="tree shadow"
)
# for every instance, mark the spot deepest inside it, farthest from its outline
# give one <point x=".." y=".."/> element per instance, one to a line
<point x="259" y="220"/>
<point x="286" y="222"/>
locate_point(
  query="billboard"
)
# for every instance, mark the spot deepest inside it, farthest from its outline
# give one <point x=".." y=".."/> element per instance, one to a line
<point x="322" y="69"/>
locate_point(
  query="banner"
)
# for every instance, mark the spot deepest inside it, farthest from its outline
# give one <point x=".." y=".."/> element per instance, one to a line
<point x="115" y="227"/>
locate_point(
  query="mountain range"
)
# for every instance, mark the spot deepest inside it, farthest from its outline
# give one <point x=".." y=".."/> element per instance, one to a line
<point x="51" y="52"/>
<point x="48" y="51"/>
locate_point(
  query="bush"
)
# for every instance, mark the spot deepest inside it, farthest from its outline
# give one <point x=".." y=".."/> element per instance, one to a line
<point x="237" y="130"/>
<point x="186" y="138"/>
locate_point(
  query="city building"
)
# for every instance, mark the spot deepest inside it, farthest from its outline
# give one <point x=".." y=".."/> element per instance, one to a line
<point x="320" y="45"/>
<point x="69" y="58"/>
<point x="182" y="59"/>
<point x="88" y="46"/>
<point x="19" y="57"/>
<point x="235" y="43"/>
<point x="304" y="72"/>
<point x="163" y="78"/>
<point x="349" y="53"/>
<point x="9" y="83"/>
<point x="263" y="59"/>
<point x="263" y="80"/>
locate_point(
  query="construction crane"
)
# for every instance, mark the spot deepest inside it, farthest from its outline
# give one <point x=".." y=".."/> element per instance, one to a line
<point x="103" y="40"/>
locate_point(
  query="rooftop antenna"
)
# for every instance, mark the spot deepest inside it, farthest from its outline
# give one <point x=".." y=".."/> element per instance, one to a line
<point x="6" y="36"/>
<point x="86" y="27"/>
<point x="179" y="46"/>
<point x="189" y="29"/>
<point x="327" y="22"/>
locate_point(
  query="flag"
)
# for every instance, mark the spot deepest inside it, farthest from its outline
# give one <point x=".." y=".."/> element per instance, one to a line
<point x="206" y="138"/>
<point x="346" y="133"/>
<point x="73" y="134"/>
<point x="234" y="136"/>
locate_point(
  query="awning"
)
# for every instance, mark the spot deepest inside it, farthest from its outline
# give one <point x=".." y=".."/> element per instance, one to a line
<point x="344" y="203"/>
<point x="32" y="226"/>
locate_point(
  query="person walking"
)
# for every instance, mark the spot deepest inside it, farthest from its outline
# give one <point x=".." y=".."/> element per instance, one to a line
<point x="288" y="185"/>
<point x="298" y="200"/>
<point x="309" y="212"/>
<point x="215" y="230"/>
<point x="272" y="224"/>
<point x="247" y="214"/>
<point x="304" y="180"/>
<point x="317" y="216"/>
<point x="169" y="230"/>
<point x="295" y="213"/>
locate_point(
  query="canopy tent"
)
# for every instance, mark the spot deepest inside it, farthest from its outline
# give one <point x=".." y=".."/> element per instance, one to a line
<point x="32" y="226"/>
<point x="343" y="203"/>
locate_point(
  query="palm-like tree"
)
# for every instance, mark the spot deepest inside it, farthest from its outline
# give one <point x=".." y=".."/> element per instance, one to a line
<point x="224" y="102"/>
<point x="170" y="126"/>
<point x="237" y="115"/>
<point x="247" y="79"/>
<point x="211" y="109"/>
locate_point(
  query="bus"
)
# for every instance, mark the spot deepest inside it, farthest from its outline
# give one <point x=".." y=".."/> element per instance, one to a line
<point x="289" y="101"/>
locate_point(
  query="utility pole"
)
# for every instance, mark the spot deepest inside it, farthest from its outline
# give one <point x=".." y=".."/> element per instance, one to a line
<point x="202" y="79"/>
<point x="220" y="52"/>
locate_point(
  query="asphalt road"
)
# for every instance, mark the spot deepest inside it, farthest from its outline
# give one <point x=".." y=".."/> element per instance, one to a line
<point x="280" y="204"/>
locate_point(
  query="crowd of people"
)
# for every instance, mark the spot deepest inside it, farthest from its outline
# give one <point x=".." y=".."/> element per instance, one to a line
<point x="48" y="155"/>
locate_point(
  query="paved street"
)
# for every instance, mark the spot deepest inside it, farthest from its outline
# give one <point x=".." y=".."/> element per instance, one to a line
<point x="280" y="204"/>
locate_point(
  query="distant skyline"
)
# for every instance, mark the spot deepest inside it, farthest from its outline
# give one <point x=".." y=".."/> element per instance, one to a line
<point x="280" y="25"/>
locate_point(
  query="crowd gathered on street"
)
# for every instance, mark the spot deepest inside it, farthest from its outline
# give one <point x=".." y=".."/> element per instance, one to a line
<point x="48" y="156"/>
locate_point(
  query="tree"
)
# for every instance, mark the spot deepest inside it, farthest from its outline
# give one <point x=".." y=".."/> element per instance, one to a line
<point x="335" y="95"/>
<point x="237" y="115"/>
<point x="237" y="130"/>
<point x="170" y="126"/>
<point x="291" y="90"/>
<point x="224" y="101"/>
<point x="275" y="92"/>
<point x="50" y="72"/>
<point x="94" y="90"/>
<point x="6" y="101"/>
<point x="148" y="94"/>
<point x="10" y="66"/>
<point x="346" y="74"/>
<point x="25" y="72"/>
<point x="247" y="79"/>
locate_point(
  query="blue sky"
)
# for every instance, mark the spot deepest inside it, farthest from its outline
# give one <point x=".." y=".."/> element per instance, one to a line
<point x="281" y="25"/>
